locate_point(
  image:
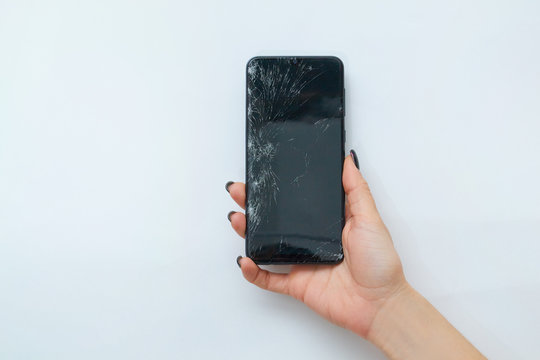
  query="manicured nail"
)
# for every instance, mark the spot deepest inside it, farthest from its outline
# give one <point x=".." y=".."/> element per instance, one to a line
<point x="229" y="183"/>
<point x="238" y="261"/>
<point x="230" y="214"/>
<point x="355" y="158"/>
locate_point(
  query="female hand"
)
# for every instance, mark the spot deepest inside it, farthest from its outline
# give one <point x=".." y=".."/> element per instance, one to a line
<point x="366" y="293"/>
<point x="348" y="294"/>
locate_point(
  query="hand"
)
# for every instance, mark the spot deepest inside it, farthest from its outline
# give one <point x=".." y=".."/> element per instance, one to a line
<point x="348" y="294"/>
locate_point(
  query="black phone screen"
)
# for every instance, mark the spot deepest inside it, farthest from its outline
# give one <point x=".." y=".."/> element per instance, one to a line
<point x="294" y="160"/>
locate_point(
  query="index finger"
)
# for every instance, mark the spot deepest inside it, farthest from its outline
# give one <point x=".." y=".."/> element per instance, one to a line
<point x="238" y="193"/>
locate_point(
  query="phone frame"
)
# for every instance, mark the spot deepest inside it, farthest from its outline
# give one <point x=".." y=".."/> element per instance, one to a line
<point x="292" y="58"/>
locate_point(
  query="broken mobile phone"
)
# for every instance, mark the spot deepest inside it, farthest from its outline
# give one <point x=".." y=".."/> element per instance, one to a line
<point x="295" y="203"/>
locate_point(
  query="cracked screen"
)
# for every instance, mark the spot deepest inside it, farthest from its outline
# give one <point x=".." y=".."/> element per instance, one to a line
<point x="294" y="160"/>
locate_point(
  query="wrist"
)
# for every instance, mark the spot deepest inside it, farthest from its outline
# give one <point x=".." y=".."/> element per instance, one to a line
<point x="388" y="312"/>
<point x="407" y="326"/>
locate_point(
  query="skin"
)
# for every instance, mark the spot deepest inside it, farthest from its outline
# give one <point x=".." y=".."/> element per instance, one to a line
<point x="367" y="293"/>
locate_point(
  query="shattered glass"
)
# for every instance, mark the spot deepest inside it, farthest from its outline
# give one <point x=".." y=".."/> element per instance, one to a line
<point x="294" y="159"/>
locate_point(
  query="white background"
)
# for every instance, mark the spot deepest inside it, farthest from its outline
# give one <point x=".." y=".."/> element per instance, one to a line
<point x="121" y="121"/>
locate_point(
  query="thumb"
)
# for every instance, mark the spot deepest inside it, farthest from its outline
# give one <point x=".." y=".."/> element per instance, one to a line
<point x="359" y="198"/>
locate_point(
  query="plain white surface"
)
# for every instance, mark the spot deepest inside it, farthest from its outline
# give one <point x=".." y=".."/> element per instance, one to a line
<point x="121" y="121"/>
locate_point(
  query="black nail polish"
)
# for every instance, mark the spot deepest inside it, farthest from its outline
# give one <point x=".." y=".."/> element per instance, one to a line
<point x="230" y="214"/>
<point x="355" y="158"/>
<point x="229" y="183"/>
<point x="238" y="261"/>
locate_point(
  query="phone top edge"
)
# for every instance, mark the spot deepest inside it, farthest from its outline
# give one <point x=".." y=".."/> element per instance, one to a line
<point x="284" y="57"/>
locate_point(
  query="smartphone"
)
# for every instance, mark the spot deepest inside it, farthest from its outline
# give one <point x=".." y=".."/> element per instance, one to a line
<point x="295" y="203"/>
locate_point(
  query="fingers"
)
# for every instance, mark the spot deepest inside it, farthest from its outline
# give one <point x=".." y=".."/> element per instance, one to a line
<point x="264" y="279"/>
<point x="237" y="219"/>
<point x="238" y="193"/>
<point x="359" y="198"/>
<point x="238" y="222"/>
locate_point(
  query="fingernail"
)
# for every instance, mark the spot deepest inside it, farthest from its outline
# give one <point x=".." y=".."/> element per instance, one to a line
<point x="229" y="183"/>
<point x="238" y="261"/>
<point x="355" y="158"/>
<point x="230" y="214"/>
